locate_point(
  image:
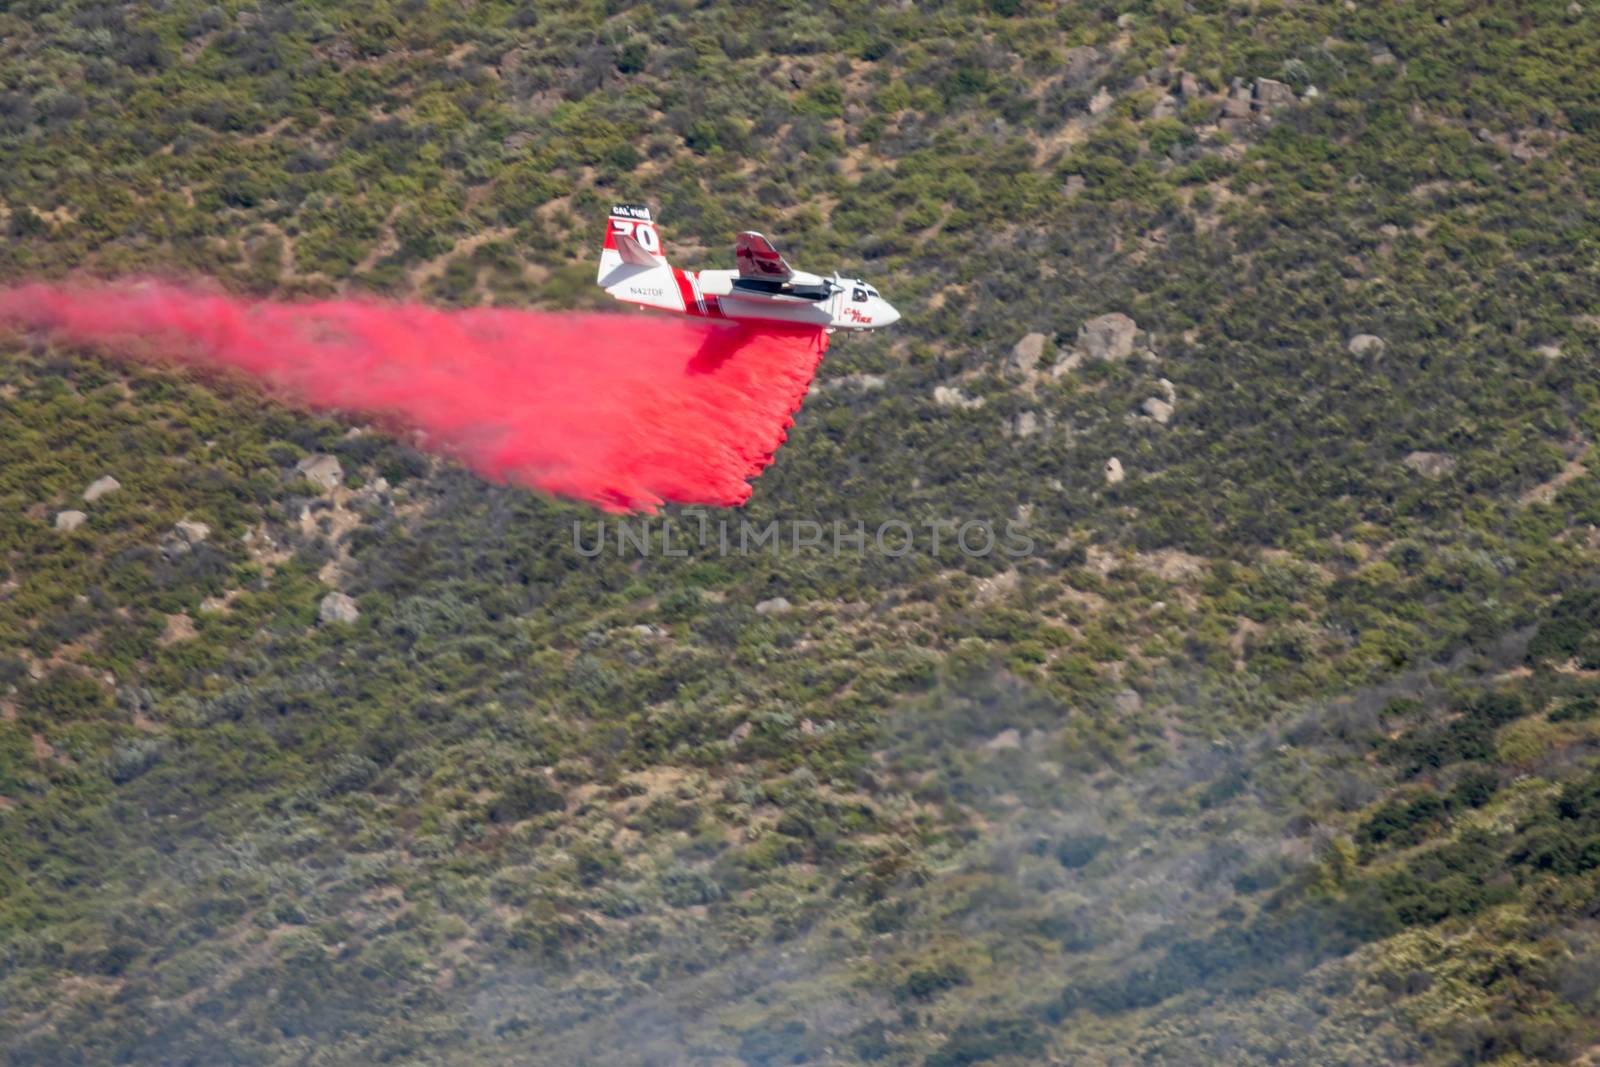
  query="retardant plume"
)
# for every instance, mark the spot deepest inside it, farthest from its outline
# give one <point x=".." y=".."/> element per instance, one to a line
<point x="626" y="411"/>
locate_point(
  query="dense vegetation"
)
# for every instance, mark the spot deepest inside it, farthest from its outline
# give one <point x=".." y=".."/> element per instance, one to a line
<point x="1280" y="750"/>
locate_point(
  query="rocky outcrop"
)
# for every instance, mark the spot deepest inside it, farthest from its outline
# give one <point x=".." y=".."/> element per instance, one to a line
<point x="191" y="531"/>
<point x="1431" y="464"/>
<point x="338" y="608"/>
<point x="100" y="487"/>
<point x="774" y="606"/>
<point x="1079" y="66"/>
<point x="1239" y="103"/>
<point x="1109" y="337"/>
<point x="1114" y="472"/>
<point x="948" y="396"/>
<point x="183" y="537"/>
<point x="68" y="521"/>
<point x="1363" y="343"/>
<point x="322" y="470"/>
<point x="1026" y="353"/>
<point x="1271" y="95"/>
<point x="1157" y="409"/>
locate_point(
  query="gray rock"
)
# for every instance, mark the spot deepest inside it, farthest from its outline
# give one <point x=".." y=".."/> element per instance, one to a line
<point x="1384" y="58"/>
<point x="321" y="469"/>
<point x="337" y="607"/>
<point x="1236" y="107"/>
<point x="1168" y="390"/>
<point x="1157" y="409"/>
<point x="1108" y="337"/>
<point x="740" y="732"/>
<point x="191" y="531"/>
<point x="948" y="396"/>
<point x="1126" y="701"/>
<point x="1079" y="65"/>
<point x="70" y="520"/>
<point x="1431" y="464"/>
<point x="1114" y="473"/>
<point x="1271" y="94"/>
<point x="1165" y="108"/>
<point x="863" y="382"/>
<point x="1008" y="738"/>
<point x="1101" y="101"/>
<point x="1188" y="85"/>
<point x="101" y="487"/>
<point x="1027" y="424"/>
<point x="775" y="606"/>
<point x="1026" y="353"/>
<point x="1362" y="343"/>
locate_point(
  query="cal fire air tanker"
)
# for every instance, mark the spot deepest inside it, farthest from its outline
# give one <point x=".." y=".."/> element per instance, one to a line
<point x="764" y="288"/>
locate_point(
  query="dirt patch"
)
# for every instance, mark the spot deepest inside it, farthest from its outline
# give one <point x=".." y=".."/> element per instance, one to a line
<point x="179" y="628"/>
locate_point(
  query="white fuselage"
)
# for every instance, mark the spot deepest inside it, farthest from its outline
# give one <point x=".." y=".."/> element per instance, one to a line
<point x="805" y="300"/>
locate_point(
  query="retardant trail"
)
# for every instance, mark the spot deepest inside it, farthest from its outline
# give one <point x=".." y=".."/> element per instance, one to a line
<point x="626" y="411"/>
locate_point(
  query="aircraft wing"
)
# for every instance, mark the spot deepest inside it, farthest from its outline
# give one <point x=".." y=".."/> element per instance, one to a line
<point x="758" y="259"/>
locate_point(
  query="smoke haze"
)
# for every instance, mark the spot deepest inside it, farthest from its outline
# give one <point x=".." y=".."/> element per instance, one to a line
<point x="626" y="412"/>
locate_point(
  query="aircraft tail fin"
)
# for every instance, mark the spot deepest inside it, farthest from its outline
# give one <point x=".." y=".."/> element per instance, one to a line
<point x="631" y="241"/>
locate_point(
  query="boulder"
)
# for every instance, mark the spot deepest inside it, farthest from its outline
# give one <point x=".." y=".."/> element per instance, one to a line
<point x="1108" y="337"/>
<point x="775" y="606"/>
<point x="1168" y="390"/>
<point x="1101" y="101"/>
<point x="1157" y="409"/>
<point x="1431" y="464"/>
<point x="948" y="396"/>
<point x="191" y="531"/>
<point x="100" y="487"/>
<point x="1271" y="95"/>
<point x="338" y="608"/>
<point x="1008" y="738"/>
<point x="1188" y="85"/>
<point x="1235" y="108"/>
<point x="70" y="520"/>
<point x="1079" y="66"/>
<point x="862" y="382"/>
<point x="1027" y="424"/>
<point x="321" y="469"/>
<point x="1114" y="473"/>
<point x="1126" y="701"/>
<point x="1026" y="353"/>
<point x="1165" y="108"/>
<point x="1363" y="343"/>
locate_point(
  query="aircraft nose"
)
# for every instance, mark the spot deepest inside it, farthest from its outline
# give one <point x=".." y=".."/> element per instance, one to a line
<point x="889" y="316"/>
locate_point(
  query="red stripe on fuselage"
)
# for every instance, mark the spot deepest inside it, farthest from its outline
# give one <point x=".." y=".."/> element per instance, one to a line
<point x="686" y="291"/>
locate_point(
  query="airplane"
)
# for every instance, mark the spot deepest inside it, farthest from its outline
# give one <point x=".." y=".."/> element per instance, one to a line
<point x="765" y="288"/>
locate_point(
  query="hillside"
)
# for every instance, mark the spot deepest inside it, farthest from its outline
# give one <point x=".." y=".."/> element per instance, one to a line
<point x="1272" y="324"/>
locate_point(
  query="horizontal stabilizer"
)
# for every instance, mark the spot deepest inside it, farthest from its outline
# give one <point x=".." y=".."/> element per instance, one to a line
<point x="758" y="259"/>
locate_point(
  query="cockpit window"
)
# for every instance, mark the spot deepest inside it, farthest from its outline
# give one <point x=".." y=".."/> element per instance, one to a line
<point x="859" y="296"/>
<point x="871" y="291"/>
